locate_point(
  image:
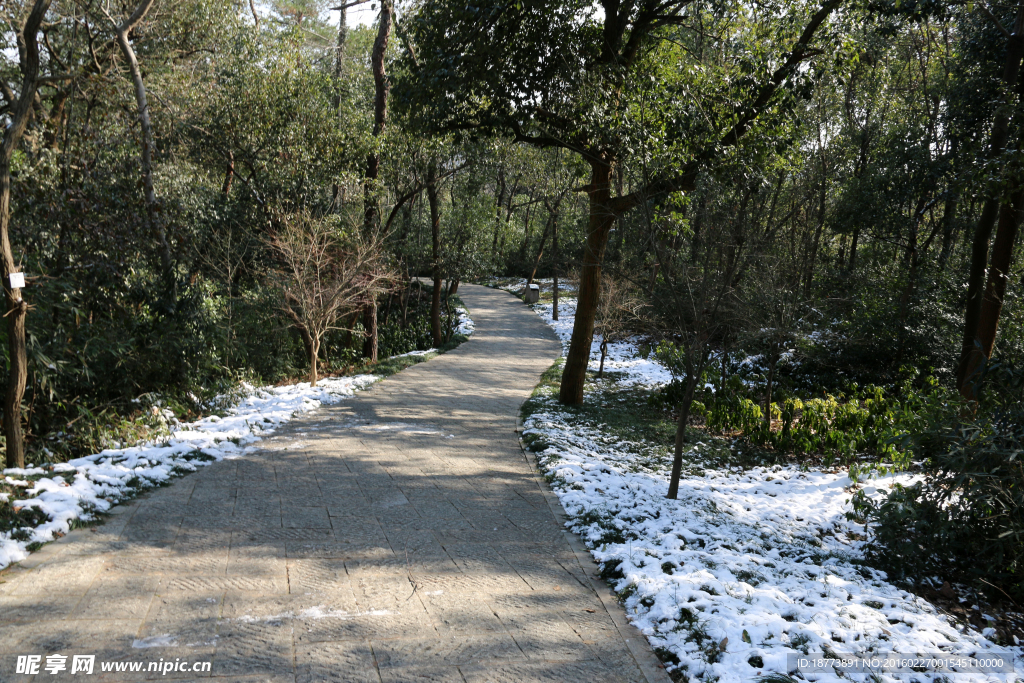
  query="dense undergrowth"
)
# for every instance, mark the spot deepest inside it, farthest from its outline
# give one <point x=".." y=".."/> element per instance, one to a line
<point x="86" y="415"/>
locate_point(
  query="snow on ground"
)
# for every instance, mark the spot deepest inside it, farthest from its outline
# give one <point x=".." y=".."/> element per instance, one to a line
<point x="466" y="325"/>
<point x="78" y="489"/>
<point x="746" y="566"/>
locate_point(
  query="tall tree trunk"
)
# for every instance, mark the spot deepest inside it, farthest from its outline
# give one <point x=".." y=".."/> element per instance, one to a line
<point x="995" y="290"/>
<point x="339" y="63"/>
<point x="155" y="223"/>
<point x="435" y="243"/>
<point x="499" y="202"/>
<point x="948" y="222"/>
<point x="371" y="212"/>
<point x="229" y="175"/>
<point x="999" y="272"/>
<point x="370" y="344"/>
<point x="983" y="231"/>
<point x="17" y="308"/>
<point x="540" y="252"/>
<point x="554" y="267"/>
<point x="768" y="392"/>
<point x="853" y="251"/>
<point x="600" y="222"/>
<point x="314" y="351"/>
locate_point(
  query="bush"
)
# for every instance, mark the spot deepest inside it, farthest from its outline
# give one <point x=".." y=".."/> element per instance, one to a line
<point x="965" y="520"/>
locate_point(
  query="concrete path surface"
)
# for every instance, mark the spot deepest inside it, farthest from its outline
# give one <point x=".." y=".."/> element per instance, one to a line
<point x="400" y="535"/>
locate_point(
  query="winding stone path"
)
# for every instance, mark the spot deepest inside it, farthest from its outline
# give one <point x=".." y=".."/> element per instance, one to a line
<point x="401" y="535"/>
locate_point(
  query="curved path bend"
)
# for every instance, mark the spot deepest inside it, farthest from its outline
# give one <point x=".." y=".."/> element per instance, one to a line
<point x="400" y="535"/>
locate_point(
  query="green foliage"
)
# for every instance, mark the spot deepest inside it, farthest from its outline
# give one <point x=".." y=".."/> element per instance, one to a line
<point x="841" y="427"/>
<point x="965" y="519"/>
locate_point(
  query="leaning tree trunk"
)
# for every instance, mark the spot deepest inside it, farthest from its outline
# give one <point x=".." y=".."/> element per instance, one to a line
<point x="155" y="225"/>
<point x="983" y="231"/>
<point x="599" y="225"/>
<point x="17" y="308"/>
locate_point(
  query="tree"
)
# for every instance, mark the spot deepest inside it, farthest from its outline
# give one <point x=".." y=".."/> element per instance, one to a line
<point x="20" y="108"/>
<point x="123" y="30"/>
<point x="326" y="275"/>
<point x="539" y="72"/>
<point x="985" y="298"/>
<point x="617" y="312"/>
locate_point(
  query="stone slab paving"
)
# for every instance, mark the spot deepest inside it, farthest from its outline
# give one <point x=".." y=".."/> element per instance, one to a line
<point x="401" y="535"/>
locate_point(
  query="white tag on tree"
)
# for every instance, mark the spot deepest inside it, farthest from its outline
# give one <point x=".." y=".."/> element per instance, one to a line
<point x="17" y="280"/>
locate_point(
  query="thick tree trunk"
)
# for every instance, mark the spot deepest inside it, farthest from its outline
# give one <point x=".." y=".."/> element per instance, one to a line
<point x="314" y="351"/>
<point x="983" y="230"/>
<point x="599" y="224"/>
<point x="371" y="212"/>
<point x="995" y="290"/>
<point x="17" y="308"/>
<point x="684" y="416"/>
<point x="999" y="272"/>
<point x="435" y="236"/>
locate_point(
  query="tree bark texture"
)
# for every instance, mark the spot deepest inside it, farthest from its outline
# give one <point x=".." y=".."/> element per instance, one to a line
<point x="17" y="308"/>
<point x="599" y="224"/>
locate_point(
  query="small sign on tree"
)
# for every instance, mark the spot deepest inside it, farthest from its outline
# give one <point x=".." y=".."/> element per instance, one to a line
<point x="17" y="280"/>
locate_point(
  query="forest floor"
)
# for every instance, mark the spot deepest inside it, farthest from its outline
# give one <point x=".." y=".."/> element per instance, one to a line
<point x="754" y="563"/>
<point x="397" y="535"/>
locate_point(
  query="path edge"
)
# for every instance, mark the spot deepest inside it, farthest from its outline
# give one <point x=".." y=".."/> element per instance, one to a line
<point x="639" y="647"/>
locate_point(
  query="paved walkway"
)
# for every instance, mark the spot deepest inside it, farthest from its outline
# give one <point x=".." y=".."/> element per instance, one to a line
<point x="398" y="536"/>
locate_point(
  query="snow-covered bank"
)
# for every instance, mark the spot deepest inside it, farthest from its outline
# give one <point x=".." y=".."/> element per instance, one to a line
<point x="80" y="488"/>
<point x="747" y="566"/>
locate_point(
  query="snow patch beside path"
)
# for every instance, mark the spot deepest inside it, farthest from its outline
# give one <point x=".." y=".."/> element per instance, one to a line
<point x="746" y="567"/>
<point x="81" y="488"/>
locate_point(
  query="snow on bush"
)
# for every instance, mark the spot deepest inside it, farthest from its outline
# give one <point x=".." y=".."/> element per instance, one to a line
<point x="747" y="566"/>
